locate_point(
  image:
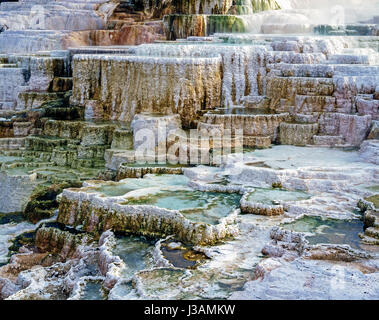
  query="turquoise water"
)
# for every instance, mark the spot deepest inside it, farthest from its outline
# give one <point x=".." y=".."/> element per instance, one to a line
<point x="207" y="207"/>
<point x="115" y="190"/>
<point x="271" y="196"/>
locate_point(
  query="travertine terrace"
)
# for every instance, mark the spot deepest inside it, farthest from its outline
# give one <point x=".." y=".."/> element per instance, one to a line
<point x="211" y="148"/>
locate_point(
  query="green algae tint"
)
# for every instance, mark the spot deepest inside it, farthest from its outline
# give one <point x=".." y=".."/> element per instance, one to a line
<point x="373" y="188"/>
<point x="207" y="207"/>
<point x="272" y="196"/>
<point x="329" y="231"/>
<point x="6" y="218"/>
<point x="374" y="199"/>
<point x="183" y="257"/>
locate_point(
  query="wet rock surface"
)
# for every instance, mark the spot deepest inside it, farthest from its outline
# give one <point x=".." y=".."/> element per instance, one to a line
<point x="316" y="284"/>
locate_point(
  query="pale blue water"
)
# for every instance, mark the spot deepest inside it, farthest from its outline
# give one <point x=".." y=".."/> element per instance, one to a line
<point x="92" y="291"/>
<point x="330" y="231"/>
<point x="270" y="196"/>
<point x="136" y="252"/>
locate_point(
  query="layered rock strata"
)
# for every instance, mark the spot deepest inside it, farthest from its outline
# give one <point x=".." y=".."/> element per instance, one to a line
<point x="97" y="214"/>
<point x="165" y="85"/>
